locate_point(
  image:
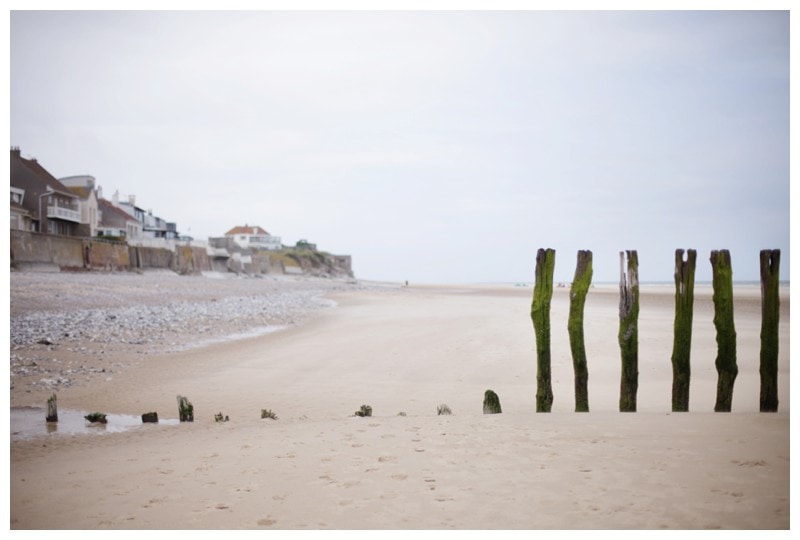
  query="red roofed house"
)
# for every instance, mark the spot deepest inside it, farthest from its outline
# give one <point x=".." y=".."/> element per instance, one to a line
<point x="253" y="238"/>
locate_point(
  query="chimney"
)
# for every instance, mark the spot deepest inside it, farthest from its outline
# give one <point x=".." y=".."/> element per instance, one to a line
<point x="132" y="200"/>
<point x="115" y="198"/>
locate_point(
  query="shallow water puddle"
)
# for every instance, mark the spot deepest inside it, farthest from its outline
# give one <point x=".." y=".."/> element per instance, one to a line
<point x="254" y="332"/>
<point x="28" y="422"/>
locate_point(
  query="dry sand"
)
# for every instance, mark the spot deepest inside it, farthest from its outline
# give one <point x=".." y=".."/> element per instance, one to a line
<point x="408" y="350"/>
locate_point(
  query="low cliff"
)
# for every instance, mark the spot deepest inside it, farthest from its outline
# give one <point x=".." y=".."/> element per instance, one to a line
<point x="312" y="262"/>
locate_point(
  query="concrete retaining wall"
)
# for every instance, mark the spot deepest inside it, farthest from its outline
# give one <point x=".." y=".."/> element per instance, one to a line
<point x="52" y="252"/>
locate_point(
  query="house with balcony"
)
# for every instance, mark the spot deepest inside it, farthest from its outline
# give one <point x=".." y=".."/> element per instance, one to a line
<point x="255" y="238"/>
<point x="43" y="202"/>
<point x="84" y="186"/>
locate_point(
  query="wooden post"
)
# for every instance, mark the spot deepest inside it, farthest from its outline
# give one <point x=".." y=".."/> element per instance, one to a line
<point x="540" y="314"/>
<point x="52" y="409"/>
<point x="150" y="418"/>
<point x="491" y="403"/>
<point x="629" y="330"/>
<point x="682" y="338"/>
<point x="727" y="370"/>
<point x="577" y="301"/>
<point x="770" y="317"/>
<point x="185" y="409"/>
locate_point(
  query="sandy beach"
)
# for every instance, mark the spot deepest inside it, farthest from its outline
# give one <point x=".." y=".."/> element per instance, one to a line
<point x="334" y="346"/>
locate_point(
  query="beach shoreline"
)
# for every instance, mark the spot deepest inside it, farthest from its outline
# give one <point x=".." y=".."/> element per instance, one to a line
<point x="404" y="351"/>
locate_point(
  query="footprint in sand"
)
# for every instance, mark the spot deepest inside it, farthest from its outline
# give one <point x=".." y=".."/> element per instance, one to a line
<point x="752" y="463"/>
<point x="399" y="476"/>
<point x="387" y="459"/>
<point x="152" y="502"/>
<point x="266" y="522"/>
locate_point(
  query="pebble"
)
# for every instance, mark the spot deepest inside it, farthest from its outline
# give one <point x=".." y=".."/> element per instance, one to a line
<point x="58" y="315"/>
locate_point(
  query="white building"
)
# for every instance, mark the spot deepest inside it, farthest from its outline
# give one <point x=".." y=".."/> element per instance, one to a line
<point x="254" y="238"/>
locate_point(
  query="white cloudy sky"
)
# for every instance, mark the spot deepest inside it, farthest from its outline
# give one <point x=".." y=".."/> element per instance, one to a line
<point x="431" y="146"/>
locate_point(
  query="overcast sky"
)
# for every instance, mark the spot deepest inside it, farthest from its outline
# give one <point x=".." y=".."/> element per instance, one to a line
<point x="430" y="146"/>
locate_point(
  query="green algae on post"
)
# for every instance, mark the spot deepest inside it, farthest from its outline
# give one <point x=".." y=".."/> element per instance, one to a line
<point x="770" y="317"/>
<point x="682" y="336"/>
<point x="727" y="370"/>
<point x="185" y="409"/>
<point x="577" y="300"/>
<point x="540" y="314"/>
<point x="629" y="330"/>
<point x="491" y="403"/>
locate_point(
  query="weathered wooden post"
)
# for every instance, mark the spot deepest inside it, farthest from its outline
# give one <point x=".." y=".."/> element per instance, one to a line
<point x="185" y="409"/>
<point x="629" y="330"/>
<point x="52" y="409"/>
<point x="491" y="403"/>
<point x="96" y="418"/>
<point x="577" y="301"/>
<point x="770" y="316"/>
<point x="727" y="370"/>
<point x="540" y="314"/>
<point x="682" y="338"/>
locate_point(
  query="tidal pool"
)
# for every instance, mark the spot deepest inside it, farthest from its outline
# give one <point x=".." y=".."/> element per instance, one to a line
<point x="29" y="422"/>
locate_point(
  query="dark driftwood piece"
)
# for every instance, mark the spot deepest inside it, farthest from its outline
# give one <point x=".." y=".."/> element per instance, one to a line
<point x="96" y="418"/>
<point x="491" y="403"/>
<point x="150" y="418"/>
<point x="770" y="317"/>
<point x="682" y="336"/>
<point x="52" y="409"/>
<point x="727" y="370"/>
<point x="540" y="315"/>
<point x="577" y="301"/>
<point x="185" y="409"/>
<point x="629" y="330"/>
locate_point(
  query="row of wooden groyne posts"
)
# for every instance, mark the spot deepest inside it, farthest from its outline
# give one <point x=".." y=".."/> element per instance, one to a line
<point x="685" y="263"/>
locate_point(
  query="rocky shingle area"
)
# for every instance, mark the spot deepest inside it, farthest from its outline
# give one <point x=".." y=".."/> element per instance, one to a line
<point x="72" y="328"/>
